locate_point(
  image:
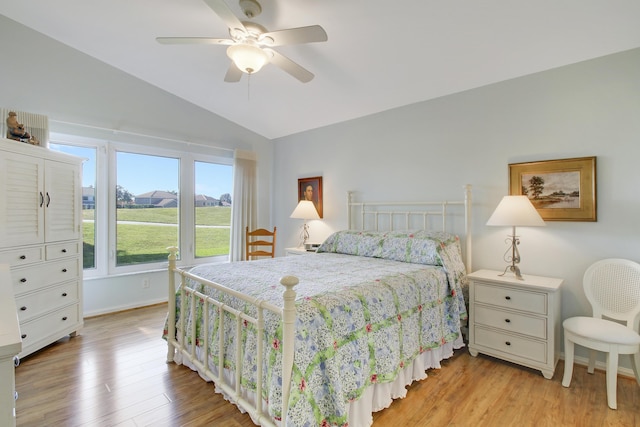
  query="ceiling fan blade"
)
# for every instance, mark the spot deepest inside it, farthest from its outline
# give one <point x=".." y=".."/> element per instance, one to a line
<point x="233" y="74"/>
<point x="193" y="40"/>
<point x="289" y="66"/>
<point x="310" y="34"/>
<point x="226" y="14"/>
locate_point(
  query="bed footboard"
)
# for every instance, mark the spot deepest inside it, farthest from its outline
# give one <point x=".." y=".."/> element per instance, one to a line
<point x="230" y="385"/>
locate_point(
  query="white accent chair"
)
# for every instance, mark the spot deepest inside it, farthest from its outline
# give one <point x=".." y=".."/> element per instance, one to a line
<point x="612" y="287"/>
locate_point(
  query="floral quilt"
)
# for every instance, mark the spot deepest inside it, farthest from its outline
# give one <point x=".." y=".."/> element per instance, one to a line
<point x="360" y="320"/>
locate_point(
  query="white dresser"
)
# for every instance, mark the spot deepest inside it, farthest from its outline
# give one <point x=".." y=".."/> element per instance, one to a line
<point x="515" y="320"/>
<point x="41" y="239"/>
<point x="10" y="346"/>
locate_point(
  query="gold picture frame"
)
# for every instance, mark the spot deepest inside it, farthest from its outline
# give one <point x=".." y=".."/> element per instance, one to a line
<point x="560" y="190"/>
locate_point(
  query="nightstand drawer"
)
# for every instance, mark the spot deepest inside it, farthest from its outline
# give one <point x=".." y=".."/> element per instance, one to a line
<point x="521" y="347"/>
<point x="515" y="299"/>
<point x="510" y="321"/>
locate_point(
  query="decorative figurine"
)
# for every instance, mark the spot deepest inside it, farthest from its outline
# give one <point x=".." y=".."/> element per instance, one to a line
<point x="17" y="131"/>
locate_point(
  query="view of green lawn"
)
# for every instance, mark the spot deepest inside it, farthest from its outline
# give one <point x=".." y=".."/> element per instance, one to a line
<point x="148" y="240"/>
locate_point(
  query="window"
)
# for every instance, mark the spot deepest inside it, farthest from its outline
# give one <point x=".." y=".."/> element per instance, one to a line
<point x="88" y="199"/>
<point x="138" y="200"/>
<point x="212" y="201"/>
<point x="147" y="207"/>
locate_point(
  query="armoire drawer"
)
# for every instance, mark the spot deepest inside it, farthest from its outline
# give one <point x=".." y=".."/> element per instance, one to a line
<point x="39" y="276"/>
<point x="22" y="256"/>
<point x="44" y="326"/>
<point x="62" y="250"/>
<point x="34" y="304"/>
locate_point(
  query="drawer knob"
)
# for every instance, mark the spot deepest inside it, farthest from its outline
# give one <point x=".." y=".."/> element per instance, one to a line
<point x="64" y="318"/>
<point x="23" y="308"/>
<point x="64" y="294"/>
<point x="507" y="320"/>
<point x="64" y="270"/>
<point x="23" y="280"/>
<point x="64" y="251"/>
<point x="23" y="336"/>
<point x="23" y="257"/>
<point x="508" y="343"/>
<point x="507" y="298"/>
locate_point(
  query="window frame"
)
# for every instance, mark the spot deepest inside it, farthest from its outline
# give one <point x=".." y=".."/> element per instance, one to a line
<point x="105" y="212"/>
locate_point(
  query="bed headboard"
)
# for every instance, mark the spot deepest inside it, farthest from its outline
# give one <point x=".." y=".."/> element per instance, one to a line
<point x="453" y="216"/>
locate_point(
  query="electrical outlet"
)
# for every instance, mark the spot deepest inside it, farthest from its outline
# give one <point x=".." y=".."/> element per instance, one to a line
<point x="145" y="283"/>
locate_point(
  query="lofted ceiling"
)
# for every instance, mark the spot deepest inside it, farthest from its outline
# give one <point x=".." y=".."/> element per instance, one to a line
<point x="379" y="54"/>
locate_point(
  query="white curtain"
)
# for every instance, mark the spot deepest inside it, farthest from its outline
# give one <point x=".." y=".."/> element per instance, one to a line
<point x="243" y="207"/>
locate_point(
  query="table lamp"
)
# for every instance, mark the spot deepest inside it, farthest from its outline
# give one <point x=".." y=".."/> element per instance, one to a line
<point x="515" y="211"/>
<point x="305" y="210"/>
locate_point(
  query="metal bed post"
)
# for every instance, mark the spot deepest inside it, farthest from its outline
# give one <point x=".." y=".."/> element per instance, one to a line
<point x="171" y="330"/>
<point x="467" y="227"/>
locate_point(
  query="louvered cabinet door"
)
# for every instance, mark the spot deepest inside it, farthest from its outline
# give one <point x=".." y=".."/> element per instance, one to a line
<point x="21" y="200"/>
<point x="61" y="196"/>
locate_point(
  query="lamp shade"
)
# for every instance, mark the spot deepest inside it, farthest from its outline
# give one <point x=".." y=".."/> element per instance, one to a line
<point x="248" y="58"/>
<point x="516" y="211"/>
<point x="305" y="210"/>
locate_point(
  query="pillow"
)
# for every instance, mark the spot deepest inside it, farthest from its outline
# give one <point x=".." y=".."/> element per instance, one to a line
<point x="418" y="247"/>
<point x="363" y="243"/>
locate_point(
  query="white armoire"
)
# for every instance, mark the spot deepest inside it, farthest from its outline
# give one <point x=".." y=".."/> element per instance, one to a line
<point x="41" y="240"/>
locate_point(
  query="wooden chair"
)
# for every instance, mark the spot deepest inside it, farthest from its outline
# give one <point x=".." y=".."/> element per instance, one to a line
<point x="257" y="240"/>
<point x="612" y="287"/>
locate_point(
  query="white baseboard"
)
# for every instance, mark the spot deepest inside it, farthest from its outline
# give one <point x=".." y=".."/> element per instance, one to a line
<point x="115" y="309"/>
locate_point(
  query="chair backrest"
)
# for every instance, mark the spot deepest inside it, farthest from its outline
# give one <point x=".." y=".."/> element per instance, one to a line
<point x="612" y="287"/>
<point x="257" y="240"/>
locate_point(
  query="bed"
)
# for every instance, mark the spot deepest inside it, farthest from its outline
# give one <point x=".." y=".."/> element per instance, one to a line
<point x="327" y="339"/>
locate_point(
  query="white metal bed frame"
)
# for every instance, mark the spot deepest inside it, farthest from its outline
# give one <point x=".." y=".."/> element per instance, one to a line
<point x="254" y="404"/>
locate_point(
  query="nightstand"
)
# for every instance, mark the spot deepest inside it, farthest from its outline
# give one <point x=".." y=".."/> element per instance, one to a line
<point x="297" y="251"/>
<point x="515" y="320"/>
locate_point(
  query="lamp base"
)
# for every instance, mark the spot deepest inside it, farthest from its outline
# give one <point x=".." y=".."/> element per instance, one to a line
<point x="512" y="255"/>
<point x="515" y="270"/>
<point x="304" y="235"/>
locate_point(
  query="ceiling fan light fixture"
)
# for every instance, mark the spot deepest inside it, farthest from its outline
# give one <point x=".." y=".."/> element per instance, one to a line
<point x="248" y="58"/>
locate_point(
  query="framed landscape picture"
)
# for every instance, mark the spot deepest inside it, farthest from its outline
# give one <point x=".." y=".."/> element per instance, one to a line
<point x="561" y="190"/>
<point x="311" y="189"/>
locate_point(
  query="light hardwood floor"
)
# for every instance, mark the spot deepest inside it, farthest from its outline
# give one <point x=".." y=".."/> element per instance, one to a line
<point x="115" y="374"/>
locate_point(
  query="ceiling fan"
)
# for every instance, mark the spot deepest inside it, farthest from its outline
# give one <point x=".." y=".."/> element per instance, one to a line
<point x="250" y="43"/>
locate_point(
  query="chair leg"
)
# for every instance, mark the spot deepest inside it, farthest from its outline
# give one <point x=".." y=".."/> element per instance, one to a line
<point x="635" y="364"/>
<point x="612" y="378"/>
<point x="568" y="362"/>
<point x="592" y="361"/>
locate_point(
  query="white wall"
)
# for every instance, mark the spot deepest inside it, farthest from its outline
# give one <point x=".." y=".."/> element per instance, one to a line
<point x="424" y="150"/>
<point x="431" y="149"/>
<point x="83" y="96"/>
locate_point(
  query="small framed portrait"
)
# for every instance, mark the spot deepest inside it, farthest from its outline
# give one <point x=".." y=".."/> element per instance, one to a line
<point x="311" y="189"/>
